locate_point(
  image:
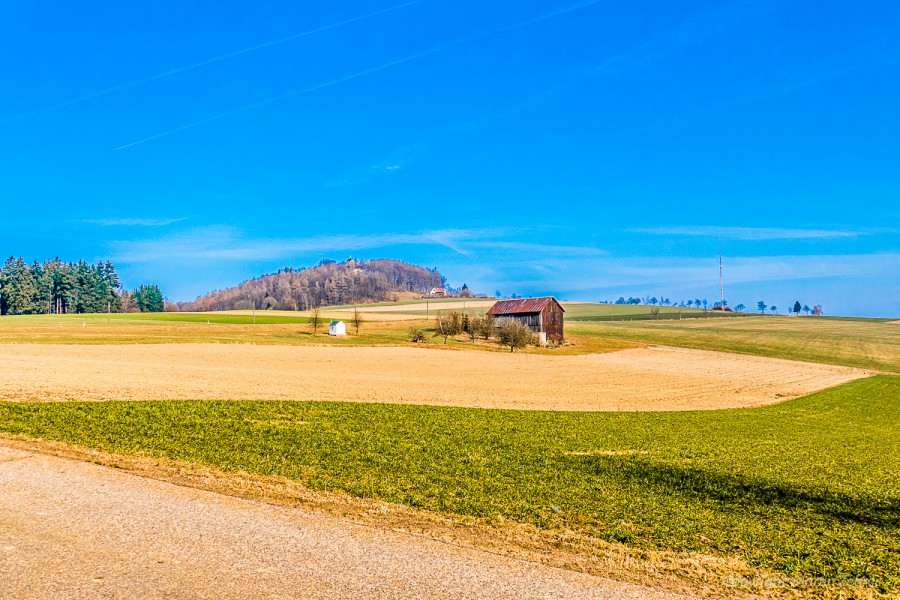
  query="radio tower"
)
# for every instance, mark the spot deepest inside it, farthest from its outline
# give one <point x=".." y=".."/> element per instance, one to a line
<point x="721" y="282"/>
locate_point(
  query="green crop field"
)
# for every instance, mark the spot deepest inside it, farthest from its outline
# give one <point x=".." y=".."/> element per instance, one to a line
<point x="149" y="319"/>
<point x="864" y="343"/>
<point x="809" y="488"/>
<point x="588" y="311"/>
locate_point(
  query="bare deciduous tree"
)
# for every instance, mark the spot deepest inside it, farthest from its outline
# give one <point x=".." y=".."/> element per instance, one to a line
<point x="448" y="324"/>
<point x="315" y="319"/>
<point x="356" y="320"/>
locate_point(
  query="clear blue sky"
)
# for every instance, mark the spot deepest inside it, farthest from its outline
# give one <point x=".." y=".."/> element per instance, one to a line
<point x="585" y="149"/>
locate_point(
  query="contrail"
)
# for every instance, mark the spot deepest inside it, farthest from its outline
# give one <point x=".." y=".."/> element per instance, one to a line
<point x="208" y="61"/>
<point x="387" y="65"/>
<point x="285" y="96"/>
<point x="555" y="13"/>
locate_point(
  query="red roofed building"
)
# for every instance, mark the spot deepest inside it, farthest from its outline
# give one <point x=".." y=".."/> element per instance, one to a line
<point x="436" y="291"/>
<point x="543" y="316"/>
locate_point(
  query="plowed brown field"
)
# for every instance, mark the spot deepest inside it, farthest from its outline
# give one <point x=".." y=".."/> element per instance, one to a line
<point x="654" y="378"/>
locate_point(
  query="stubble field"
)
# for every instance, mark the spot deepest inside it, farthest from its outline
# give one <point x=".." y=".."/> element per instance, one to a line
<point x="640" y="379"/>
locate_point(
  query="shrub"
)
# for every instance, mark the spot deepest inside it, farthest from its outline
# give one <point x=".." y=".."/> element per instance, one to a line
<point x="488" y="327"/>
<point x="474" y="327"/>
<point x="448" y="324"/>
<point x="416" y="335"/>
<point x="516" y="335"/>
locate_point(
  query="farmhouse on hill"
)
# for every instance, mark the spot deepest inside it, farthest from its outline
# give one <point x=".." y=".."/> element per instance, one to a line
<point x="544" y="316"/>
<point x="436" y="291"/>
<point x="337" y="328"/>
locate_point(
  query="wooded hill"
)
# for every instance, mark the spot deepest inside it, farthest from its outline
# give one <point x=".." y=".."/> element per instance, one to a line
<point x="327" y="284"/>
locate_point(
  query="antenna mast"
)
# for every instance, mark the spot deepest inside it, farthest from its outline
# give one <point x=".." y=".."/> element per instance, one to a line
<point x="721" y="282"/>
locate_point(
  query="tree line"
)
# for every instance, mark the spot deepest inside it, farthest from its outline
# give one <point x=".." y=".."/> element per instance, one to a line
<point x="327" y="284"/>
<point x="57" y="287"/>
<point x="816" y="310"/>
<point x="718" y="305"/>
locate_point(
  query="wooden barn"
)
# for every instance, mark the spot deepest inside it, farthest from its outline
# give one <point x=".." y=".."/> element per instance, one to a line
<point x="544" y="316"/>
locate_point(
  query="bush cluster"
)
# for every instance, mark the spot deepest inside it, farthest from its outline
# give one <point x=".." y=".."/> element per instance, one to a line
<point x="453" y="323"/>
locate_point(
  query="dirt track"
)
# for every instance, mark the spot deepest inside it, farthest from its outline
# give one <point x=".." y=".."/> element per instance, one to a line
<point x="77" y="530"/>
<point x="654" y="378"/>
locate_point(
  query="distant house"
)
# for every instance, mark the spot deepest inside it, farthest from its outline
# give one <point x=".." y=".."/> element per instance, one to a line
<point x="436" y="291"/>
<point x="337" y="328"/>
<point x="544" y="316"/>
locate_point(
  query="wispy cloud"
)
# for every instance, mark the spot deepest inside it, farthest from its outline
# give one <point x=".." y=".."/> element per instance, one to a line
<point x="391" y="164"/>
<point x="230" y="243"/>
<point x="495" y="258"/>
<point x="133" y="222"/>
<point x="528" y="249"/>
<point x="220" y="243"/>
<point x="587" y="277"/>
<point x="751" y="233"/>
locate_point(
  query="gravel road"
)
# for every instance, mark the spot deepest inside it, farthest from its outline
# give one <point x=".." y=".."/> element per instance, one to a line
<point x="76" y="530"/>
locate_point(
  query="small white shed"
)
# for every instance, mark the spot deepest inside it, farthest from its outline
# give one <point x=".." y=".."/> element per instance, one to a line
<point x="337" y="328"/>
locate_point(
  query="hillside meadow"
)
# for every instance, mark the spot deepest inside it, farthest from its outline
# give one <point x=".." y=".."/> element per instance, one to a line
<point x="863" y="343"/>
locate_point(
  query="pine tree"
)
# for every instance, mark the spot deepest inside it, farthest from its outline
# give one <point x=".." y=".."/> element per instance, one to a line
<point x="20" y="290"/>
<point x="148" y="298"/>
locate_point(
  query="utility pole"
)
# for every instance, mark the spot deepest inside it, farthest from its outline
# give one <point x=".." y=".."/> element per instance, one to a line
<point x="254" y="311"/>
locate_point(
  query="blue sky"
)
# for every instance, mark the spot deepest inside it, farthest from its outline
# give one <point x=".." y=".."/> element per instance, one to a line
<point x="587" y="149"/>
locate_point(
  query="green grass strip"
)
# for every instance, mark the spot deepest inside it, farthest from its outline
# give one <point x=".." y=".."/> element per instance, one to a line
<point x="808" y="488"/>
<point x="866" y="344"/>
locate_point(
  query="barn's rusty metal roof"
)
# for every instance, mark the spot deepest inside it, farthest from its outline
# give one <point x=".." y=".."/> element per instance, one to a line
<point x="522" y="305"/>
